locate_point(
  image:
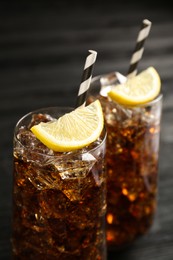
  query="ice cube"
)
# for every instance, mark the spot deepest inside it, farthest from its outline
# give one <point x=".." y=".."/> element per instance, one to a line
<point x="71" y="169"/>
<point x="41" y="178"/>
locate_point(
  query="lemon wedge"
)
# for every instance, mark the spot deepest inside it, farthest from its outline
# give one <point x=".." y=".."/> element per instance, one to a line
<point x="137" y="90"/>
<point x="73" y="130"/>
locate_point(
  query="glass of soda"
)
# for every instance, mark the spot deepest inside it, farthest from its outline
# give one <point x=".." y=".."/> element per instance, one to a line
<point x="59" y="199"/>
<point x="132" y="152"/>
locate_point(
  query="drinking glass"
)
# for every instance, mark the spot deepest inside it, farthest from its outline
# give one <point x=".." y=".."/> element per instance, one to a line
<point x="132" y="153"/>
<point x="59" y="199"/>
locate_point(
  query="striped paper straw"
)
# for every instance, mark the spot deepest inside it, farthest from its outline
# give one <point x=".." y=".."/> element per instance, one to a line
<point x="86" y="78"/>
<point x="139" y="48"/>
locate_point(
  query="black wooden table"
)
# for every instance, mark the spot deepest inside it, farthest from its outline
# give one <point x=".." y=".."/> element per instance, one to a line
<point x="43" y="46"/>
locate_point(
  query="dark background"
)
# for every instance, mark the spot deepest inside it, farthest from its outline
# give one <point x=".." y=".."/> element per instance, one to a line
<point x="43" y="47"/>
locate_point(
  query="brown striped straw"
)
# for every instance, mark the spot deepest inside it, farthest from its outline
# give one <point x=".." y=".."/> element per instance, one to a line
<point x="139" y="48"/>
<point x="86" y="78"/>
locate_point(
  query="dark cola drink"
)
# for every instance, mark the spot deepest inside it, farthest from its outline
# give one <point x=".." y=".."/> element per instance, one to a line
<point x="132" y="153"/>
<point x="59" y="199"/>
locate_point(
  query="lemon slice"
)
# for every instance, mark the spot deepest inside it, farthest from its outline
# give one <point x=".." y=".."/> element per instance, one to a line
<point x="73" y="130"/>
<point x="137" y="90"/>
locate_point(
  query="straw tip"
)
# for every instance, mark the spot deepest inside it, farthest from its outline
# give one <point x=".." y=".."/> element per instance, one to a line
<point x="92" y="51"/>
<point x="147" y="22"/>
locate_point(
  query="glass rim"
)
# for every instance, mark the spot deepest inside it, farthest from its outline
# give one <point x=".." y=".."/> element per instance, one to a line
<point x="155" y="100"/>
<point x="152" y="102"/>
<point x="64" y="154"/>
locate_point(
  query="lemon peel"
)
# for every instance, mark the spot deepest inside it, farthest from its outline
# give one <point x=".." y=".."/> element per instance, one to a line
<point x="137" y="90"/>
<point x="73" y="130"/>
